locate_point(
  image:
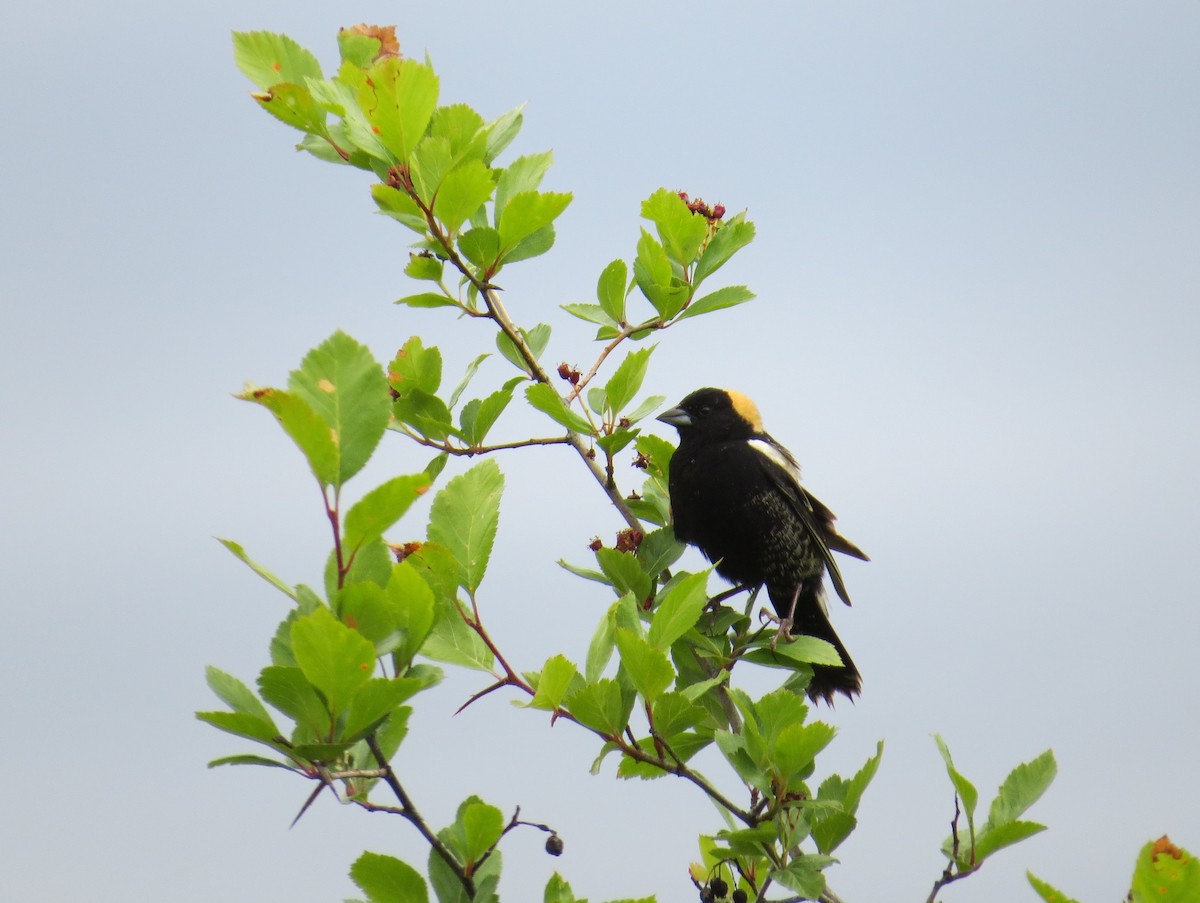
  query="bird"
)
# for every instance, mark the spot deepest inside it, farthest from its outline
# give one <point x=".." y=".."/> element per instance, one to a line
<point x="736" y="496"/>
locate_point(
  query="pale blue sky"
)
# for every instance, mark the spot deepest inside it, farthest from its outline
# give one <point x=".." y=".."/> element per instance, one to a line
<point x="977" y="327"/>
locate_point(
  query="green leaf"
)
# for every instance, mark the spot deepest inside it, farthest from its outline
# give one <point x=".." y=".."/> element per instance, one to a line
<point x="996" y="838"/>
<point x="729" y="296"/>
<point x="526" y="212"/>
<point x="343" y="383"/>
<point x="294" y="105"/>
<point x="501" y="131"/>
<point x="624" y="573"/>
<point x="803" y="875"/>
<point x="453" y="642"/>
<point x="601" y="706"/>
<point x="731" y="236"/>
<point x="675" y="713"/>
<point x="545" y="399"/>
<point x="1046" y="892"/>
<point x="374" y="701"/>
<point x="468" y="375"/>
<point x="386" y="879"/>
<point x="463" y="128"/>
<point x="558" y="677"/>
<point x="424" y="413"/>
<point x="523" y="174"/>
<point x="658" y="551"/>
<point x="416" y="367"/>
<point x="681" y="231"/>
<point x="611" y="289"/>
<point x="651" y="268"/>
<point x="679" y="609"/>
<point x="626" y="380"/>
<point x="425" y="267"/>
<point x="269" y="59"/>
<point x="535" y="245"/>
<point x="965" y="789"/>
<point x="464" y="516"/>
<point x="290" y="692"/>
<point x="478" y="828"/>
<point x="240" y="553"/>
<point x="463" y="191"/>
<point x="376" y="511"/>
<point x="414" y="607"/>
<point x="647" y="667"/>
<point x="398" y="98"/>
<point x="1166" y="874"/>
<point x="479" y="415"/>
<point x="237" y="695"/>
<point x="797" y="746"/>
<point x="801" y="648"/>
<point x="253" y="760"/>
<point x="558" y="891"/>
<point x="600" y="649"/>
<point x="399" y="206"/>
<point x="589" y="313"/>
<point x="426" y="300"/>
<point x="306" y="428"/>
<point x="536" y="339"/>
<point x="1022" y="788"/>
<point x="241" y="724"/>
<point x="334" y="658"/>
<point x="481" y="246"/>
<point x="356" y="48"/>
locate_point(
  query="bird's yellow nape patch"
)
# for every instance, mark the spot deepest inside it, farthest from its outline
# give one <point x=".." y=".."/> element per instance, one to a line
<point x="746" y="409"/>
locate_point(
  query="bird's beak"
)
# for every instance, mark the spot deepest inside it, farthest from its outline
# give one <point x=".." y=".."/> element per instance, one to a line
<point x="676" y="417"/>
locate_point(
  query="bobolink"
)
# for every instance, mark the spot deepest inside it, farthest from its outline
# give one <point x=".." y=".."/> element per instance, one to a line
<point x="736" y="496"/>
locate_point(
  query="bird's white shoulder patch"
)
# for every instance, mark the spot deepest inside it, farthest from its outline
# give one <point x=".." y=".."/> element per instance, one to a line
<point x="775" y="452"/>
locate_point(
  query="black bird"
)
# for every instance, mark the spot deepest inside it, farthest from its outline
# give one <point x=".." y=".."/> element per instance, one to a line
<point x="736" y="496"/>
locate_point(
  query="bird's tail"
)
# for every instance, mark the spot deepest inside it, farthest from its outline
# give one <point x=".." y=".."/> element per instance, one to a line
<point x="811" y="619"/>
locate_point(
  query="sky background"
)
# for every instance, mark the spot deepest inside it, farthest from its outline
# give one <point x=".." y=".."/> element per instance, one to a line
<point x="979" y="307"/>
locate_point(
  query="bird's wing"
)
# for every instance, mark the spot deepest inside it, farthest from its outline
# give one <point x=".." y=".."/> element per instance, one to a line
<point x="784" y="473"/>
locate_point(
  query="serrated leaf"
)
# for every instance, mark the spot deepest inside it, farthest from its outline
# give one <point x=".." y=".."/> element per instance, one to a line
<point x="589" y="313"/>
<point x="992" y="839"/>
<point x="523" y="174"/>
<point x="527" y="212"/>
<point x="797" y="745"/>
<point x="545" y="399"/>
<point x="306" y="428"/>
<point x="601" y="647"/>
<point x="464" y="516"/>
<point x="965" y="789"/>
<point x="1023" y="787"/>
<point x="479" y="827"/>
<point x="426" y="300"/>
<point x="386" y="879"/>
<point x="1046" y="892"/>
<point x="374" y="701"/>
<point x="601" y="706"/>
<point x="453" y="642"/>
<point x="803" y="875"/>
<point x="1165" y="873"/>
<point x="679" y="608"/>
<point x="425" y="267"/>
<point x="624" y="573"/>
<point x="626" y="380"/>
<point x="480" y="414"/>
<point x="335" y="659"/>
<point x="729" y="296"/>
<point x="463" y="191"/>
<point x="242" y="556"/>
<point x="808" y="650"/>
<point x="416" y="367"/>
<point x="398" y="97"/>
<point x="425" y="413"/>
<point x="501" y="131"/>
<point x="399" y="206"/>
<point x="647" y="666"/>
<point x="242" y="724"/>
<point x="237" y="695"/>
<point x="268" y="59"/>
<point x="293" y="105"/>
<point x="731" y="236"/>
<point x="536" y="340"/>
<point x="344" y="384"/>
<point x="611" y="289"/>
<point x="481" y="246"/>
<point x="557" y="678"/>
<point x="535" y="245"/>
<point x="289" y="691"/>
<point x="376" y="511"/>
<point x="680" y="230"/>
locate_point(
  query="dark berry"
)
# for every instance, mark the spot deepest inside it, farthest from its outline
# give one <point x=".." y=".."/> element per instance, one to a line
<point x="739" y="896"/>
<point x="554" y="845"/>
<point x="719" y="887"/>
<point x="706" y="894"/>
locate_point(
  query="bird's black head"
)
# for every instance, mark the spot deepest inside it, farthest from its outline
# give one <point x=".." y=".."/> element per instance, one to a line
<point x="715" y="415"/>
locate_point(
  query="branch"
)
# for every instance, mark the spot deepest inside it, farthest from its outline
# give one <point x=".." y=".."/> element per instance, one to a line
<point x="409" y="812"/>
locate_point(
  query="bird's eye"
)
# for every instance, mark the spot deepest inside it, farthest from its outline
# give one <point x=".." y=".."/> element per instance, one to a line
<point x="705" y="410"/>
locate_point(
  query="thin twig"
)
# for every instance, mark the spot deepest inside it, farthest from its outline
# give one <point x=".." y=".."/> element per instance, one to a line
<point x="409" y="812"/>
